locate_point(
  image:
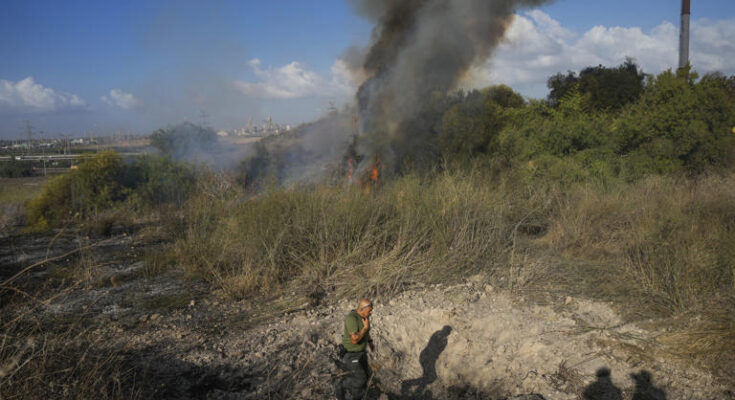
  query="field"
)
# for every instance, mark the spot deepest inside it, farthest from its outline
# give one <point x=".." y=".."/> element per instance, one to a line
<point x="512" y="248"/>
<point x="18" y="191"/>
<point x="628" y="277"/>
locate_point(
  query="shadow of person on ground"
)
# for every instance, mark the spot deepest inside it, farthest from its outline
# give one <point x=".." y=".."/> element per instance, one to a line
<point x="416" y="388"/>
<point x="602" y="388"/>
<point x="644" y="389"/>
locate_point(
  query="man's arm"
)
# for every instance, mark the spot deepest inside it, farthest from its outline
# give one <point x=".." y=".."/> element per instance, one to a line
<point x="356" y="337"/>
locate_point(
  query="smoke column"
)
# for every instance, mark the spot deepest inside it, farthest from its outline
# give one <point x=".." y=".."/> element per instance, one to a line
<point x="420" y="47"/>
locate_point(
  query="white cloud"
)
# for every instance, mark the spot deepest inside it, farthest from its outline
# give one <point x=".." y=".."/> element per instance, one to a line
<point x="537" y="46"/>
<point x="295" y="80"/>
<point x="27" y="95"/>
<point x="121" y="99"/>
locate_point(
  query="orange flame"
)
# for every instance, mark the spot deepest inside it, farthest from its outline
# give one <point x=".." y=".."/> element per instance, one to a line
<point x="373" y="176"/>
<point x="374" y="173"/>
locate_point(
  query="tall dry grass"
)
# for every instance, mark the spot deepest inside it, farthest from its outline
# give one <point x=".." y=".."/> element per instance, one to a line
<point x="673" y="239"/>
<point x="47" y="356"/>
<point x="670" y="238"/>
<point x="344" y="240"/>
<point x="62" y="361"/>
<point x="663" y="246"/>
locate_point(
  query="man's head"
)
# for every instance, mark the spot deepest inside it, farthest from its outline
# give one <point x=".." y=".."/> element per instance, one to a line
<point x="365" y="308"/>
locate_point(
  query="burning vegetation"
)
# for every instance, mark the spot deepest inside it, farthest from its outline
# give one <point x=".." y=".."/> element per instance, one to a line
<point x="420" y="49"/>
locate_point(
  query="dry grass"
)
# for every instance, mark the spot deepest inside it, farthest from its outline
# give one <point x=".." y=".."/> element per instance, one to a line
<point x="14" y="194"/>
<point x="56" y="357"/>
<point x="328" y="238"/>
<point x="20" y="190"/>
<point x="60" y="361"/>
<point x="57" y="354"/>
<point x="661" y="247"/>
<point x="670" y="239"/>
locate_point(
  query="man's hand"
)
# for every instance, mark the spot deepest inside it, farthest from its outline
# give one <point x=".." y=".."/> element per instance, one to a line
<point x="365" y="324"/>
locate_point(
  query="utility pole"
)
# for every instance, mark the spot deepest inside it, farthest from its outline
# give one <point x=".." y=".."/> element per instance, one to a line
<point x="684" y="34"/>
<point x="29" y="137"/>
<point x="43" y="154"/>
<point x="203" y="117"/>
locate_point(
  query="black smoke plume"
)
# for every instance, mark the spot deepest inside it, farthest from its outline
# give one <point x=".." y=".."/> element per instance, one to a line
<point x="420" y="51"/>
<point x="419" y="48"/>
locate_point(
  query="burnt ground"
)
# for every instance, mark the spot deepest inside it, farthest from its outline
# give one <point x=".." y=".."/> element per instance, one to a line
<point x="470" y="340"/>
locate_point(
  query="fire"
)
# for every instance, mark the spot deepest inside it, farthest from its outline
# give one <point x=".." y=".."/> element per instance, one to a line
<point x="367" y="179"/>
<point x="374" y="173"/>
<point x="350" y="170"/>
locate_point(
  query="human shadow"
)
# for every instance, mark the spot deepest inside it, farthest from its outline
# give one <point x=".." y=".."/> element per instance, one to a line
<point x="602" y="388"/>
<point x="416" y="388"/>
<point x="644" y="389"/>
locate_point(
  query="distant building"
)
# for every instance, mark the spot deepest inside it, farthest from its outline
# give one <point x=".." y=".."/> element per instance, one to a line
<point x="269" y="127"/>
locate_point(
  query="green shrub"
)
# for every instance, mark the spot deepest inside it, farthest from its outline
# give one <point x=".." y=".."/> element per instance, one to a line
<point x="602" y="88"/>
<point x="470" y="127"/>
<point x="678" y="124"/>
<point x="96" y="184"/>
<point x="184" y="141"/>
<point x="16" y="169"/>
<point x="104" y="181"/>
<point x="159" y="180"/>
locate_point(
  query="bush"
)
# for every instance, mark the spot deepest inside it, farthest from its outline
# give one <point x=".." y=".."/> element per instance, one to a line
<point x="470" y="127"/>
<point x="601" y="87"/>
<point x="185" y="141"/>
<point x="103" y="182"/>
<point x="671" y="238"/>
<point x="161" y="181"/>
<point x="678" y="124"/>
<point x="96" y="184"/>
<point x="16" y="169"/>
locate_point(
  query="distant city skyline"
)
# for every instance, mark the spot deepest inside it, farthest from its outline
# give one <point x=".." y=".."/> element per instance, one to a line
<point x="78" y="66"/>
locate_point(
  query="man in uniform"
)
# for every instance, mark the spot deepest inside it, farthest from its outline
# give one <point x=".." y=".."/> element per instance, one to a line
<point x="355" y="338"/>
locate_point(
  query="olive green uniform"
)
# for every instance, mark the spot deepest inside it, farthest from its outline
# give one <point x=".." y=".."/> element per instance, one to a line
<point x="355" y="359"/>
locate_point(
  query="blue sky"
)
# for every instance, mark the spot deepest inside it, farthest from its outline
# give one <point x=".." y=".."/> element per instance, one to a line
<point x="73" y="66"/>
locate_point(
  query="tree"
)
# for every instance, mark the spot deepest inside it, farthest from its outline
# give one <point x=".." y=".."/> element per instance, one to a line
<point x="471" y="126"/>
<point x="184" y="141"/>
<point x="680" y="123"/>
<point x="602" y="88"/>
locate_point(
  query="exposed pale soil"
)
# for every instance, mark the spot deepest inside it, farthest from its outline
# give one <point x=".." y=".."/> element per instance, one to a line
<point x="188" y="343"/>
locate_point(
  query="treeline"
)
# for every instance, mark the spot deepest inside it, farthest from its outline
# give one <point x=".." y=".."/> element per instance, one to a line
<point x="16" y="169"/>
<point x="603" y="123"/>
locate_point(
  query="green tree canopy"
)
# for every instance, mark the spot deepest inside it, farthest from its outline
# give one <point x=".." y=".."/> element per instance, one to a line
<point x="602" y="88"/>
<point x="184" y="141"/>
